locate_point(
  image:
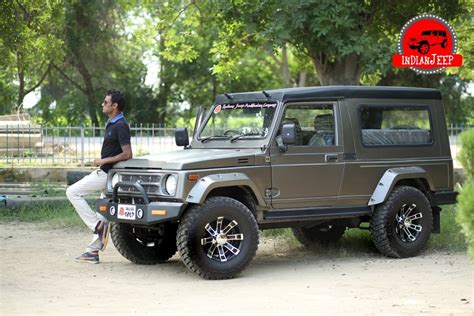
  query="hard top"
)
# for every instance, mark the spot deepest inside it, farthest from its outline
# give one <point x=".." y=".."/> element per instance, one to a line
<point x="331" y="93"/>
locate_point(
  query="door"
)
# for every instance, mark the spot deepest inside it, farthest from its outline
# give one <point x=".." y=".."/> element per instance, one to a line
<point x="308" y="173"/>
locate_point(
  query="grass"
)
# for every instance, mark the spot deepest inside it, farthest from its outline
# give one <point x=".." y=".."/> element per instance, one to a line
<point x="56" y="215"/>
<point x="354" y="241"/>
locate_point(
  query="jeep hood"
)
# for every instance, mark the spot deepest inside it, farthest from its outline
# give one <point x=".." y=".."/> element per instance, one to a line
<point x="193" y="159"/>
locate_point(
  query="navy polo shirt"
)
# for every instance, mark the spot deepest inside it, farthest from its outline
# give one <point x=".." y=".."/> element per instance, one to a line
<point x="117" y="134"/>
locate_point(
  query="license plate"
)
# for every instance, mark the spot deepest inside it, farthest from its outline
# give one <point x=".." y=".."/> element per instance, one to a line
<point x="126" y="211"/>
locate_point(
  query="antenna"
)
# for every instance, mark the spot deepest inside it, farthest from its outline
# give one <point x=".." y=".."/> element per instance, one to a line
<point x="268" y="95"/>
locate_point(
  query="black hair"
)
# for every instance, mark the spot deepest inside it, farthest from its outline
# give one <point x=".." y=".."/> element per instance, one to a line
<point x="117" y="97"/>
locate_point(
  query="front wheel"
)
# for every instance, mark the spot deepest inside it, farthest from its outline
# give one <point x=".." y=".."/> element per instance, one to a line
<point x="218" y="239"/>
<point x="401" y="226"/>
<point x="424" y="48"/>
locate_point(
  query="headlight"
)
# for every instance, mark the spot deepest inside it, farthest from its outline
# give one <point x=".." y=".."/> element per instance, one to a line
<point x="170" y="185"/>
<point x="115" y="180"/>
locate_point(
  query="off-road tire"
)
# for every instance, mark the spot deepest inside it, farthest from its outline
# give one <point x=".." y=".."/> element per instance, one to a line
<point x="192" y="231"/>
<point x="129" y="247"/>
<point x="383" y="223"/>
<point x="318" y="235"/>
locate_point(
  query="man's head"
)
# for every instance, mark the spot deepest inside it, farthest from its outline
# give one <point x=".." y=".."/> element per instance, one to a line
<point x="113" y="102"/>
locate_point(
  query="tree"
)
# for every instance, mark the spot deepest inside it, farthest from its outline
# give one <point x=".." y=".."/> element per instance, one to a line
<point x="30" y="44"/>
<point x="342" y="39"/>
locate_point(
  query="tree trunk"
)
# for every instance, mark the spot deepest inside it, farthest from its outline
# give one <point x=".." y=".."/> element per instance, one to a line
<point x="284" y="67"/>
<point x="21" y="81"/>
<point x="344" y="71"/>
<point x="165" y="86"/>
<point x="92" y="105"/>
<point x="302" y="79"/>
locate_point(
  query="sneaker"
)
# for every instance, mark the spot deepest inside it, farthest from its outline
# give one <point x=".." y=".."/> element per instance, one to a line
<point x="102" y="229"/>
<point x="89" y="257"/>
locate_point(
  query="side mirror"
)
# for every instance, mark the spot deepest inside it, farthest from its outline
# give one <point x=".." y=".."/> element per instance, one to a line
<point x="181" y="136"/>
<point x="288" y="134"/>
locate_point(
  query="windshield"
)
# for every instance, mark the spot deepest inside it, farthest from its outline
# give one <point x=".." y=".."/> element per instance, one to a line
<point x="235" y="121"/>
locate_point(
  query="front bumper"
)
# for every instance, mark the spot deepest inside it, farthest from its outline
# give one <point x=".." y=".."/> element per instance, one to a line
<point x="148" y="213"/>
<point x="153" y="212"/>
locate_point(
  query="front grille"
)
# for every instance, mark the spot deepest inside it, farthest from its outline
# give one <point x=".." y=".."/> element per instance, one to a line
<point x="150" y="183"/>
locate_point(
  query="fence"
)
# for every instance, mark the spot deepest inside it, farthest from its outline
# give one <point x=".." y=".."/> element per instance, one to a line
<point x="79" y="145"/>
<point x="74" y="145"/>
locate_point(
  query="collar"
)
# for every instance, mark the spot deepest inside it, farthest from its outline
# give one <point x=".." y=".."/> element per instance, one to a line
<point x="115" y="119"/>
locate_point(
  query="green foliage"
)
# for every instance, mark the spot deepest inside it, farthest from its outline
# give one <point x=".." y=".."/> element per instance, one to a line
<point x="76" y="50"/>
<point x="466" y="156"/>
<point x="30" y="42"/>
<point x="465" y="216"/>
<point x="57" y="215"/>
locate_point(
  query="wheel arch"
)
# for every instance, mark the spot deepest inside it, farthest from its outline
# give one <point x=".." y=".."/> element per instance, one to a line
<point x="412" y="176"/>
<point x="234" y="185"/>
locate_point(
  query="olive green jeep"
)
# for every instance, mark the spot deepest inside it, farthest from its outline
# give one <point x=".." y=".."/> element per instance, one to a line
<point x="319" y="160"/>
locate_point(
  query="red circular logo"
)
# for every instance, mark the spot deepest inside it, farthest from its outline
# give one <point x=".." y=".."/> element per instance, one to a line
<point x="217" y="109"/>
<point x="427" y="44"/>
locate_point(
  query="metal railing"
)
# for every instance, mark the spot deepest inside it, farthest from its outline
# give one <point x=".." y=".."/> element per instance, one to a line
<point x="45" y="145"/>
<point x="74" y="145"/>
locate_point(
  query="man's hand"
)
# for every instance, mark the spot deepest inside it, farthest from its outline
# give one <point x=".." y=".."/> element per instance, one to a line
<point x="124" y="155"/>
<point x="98" y="162"/>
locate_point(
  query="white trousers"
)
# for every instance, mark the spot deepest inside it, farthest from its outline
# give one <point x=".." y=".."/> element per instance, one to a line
<point x="96" y="181"/>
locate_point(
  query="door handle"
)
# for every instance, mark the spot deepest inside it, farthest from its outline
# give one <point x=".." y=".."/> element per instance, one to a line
<point x="330" y="158"/>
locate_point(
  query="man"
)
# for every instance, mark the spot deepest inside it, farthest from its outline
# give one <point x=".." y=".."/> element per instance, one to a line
<point x="116" y="147"/>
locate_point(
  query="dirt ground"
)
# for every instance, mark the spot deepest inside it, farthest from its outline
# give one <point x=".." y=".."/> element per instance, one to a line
<point x="38" y="276"/>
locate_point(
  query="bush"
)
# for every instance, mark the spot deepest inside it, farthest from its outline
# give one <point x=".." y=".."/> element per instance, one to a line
<point x="465" y="216"/>
<point x="466" y="155"/>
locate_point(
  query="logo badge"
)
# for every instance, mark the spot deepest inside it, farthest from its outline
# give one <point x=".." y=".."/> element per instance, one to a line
<point x="427" y="44"/>
<point x="217" y="109"/>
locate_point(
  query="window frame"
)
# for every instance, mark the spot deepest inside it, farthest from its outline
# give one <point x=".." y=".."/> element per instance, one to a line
<point x="331" y="103"/>
<point x="361" y="107"/>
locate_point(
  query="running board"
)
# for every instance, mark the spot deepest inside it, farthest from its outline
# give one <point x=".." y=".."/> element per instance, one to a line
<point x="316" y="213"/>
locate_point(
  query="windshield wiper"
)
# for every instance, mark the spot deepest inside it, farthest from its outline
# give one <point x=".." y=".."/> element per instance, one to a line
<point x="209" y="138"/>
<point x="237" y="137"/>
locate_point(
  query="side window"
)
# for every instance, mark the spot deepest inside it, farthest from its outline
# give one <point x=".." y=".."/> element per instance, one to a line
<point x="314" y="124"/>
<point x="389" y="126"/>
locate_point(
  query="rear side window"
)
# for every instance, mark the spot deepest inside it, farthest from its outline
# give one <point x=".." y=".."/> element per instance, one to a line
<point x="395" y="126"/>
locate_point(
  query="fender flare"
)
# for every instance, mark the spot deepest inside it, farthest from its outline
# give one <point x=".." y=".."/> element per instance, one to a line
<point x="391" y="177"/>
<point x="201" y="189"/>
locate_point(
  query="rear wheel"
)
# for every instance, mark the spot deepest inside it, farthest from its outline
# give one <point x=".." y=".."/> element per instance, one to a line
<point x="218" y="239"/>
<point x="320" y="234"/>
<point x="144" y="245"/>
<point x="401" y="226"/>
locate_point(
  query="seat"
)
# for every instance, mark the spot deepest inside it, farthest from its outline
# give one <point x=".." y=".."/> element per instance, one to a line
<point x="323" y="131"/>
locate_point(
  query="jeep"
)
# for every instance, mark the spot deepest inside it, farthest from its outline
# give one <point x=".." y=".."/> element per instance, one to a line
<point x="318" y="160"/>
<point x="428" y="39"/>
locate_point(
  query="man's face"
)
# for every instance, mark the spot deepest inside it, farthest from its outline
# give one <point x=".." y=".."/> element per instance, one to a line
<point x="107" y="106"/>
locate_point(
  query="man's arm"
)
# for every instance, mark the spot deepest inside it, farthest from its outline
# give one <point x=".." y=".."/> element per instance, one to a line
<point x="124" y="155"/>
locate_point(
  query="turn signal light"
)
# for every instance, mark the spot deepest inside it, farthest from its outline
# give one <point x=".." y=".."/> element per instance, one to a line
<point x="103" y="208"/>
<point x="158" y="212"/>
<point x="193" y="177"/>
